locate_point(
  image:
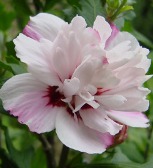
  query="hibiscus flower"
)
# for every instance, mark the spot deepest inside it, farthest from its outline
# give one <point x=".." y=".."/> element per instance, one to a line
<point x="86" y="83"/>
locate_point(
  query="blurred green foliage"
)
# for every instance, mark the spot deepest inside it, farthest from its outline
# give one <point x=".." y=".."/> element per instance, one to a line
<point x="20" y="148"/>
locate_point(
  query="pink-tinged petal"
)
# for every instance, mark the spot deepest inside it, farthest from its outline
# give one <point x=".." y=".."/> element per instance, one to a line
<point x="24" y="96"/>
<point x="46" y="25"/>
<point x="115" y="31"/>
<point x="37" y="55"/>
<point x="133" y="119"/>
<point x="98" y="120"/>
<point x="103" y="29"/>
<point x="74" y="134"/>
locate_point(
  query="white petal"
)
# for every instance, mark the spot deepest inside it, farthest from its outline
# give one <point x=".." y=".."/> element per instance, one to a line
<point x="78" y="20"/>
<point x="122" y="37"/>
<point x="76" y="135"/>
<point x="135" y="104"/>
<point x="111" y="101"/>
<point x="131" y="77"/>
<point x="103" y="29"/>
<point x="133" y="119"/>
<point x="145" y="62"/>
<point x="85" y="71"/>
<point x="25" y="97"/>
<point x="86" y="96"/>
<point x="135" y="98"/>
<point x="37" y="55"/>
<point x="46" y="25"/>
<point x="104" y="78"/>
<point x="80" y="102"/>
<point x="135" y="92"/>
<point x="71" y="86"/>
<point x="116" y="53"/>
<point x="98" y="120"/>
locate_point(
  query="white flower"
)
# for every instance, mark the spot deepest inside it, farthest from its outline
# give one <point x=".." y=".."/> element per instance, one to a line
<point x="84" y="82"/>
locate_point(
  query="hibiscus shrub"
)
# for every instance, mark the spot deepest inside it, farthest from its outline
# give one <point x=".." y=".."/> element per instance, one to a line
<point x="76" y="86"/>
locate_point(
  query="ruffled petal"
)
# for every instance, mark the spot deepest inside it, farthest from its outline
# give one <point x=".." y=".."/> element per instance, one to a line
<point x="25" y="97"/>
<point x="133" y="119"/>
<point x="71" y="86"/>
<point x="43" y="25"/>
<point x="98" y="120"/>
<point x="103" y="29"/>
<point x="111" y="101"/>
<point x="74" y="134"/>
<point x="124" y="37"/>
<point x="85" y="71"/>
<point x="105" y="78"/>
<point x="37" y="55"/>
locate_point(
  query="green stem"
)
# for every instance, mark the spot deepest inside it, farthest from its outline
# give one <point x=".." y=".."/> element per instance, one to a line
<point x="48" y="149"/>
<point x="112" y="18"/>
<point x="146" y="153"/>
<point x="63" y="157"/>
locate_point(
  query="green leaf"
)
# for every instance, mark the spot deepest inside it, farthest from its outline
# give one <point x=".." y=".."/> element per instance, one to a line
<point x="49" y="4"/>
<point x="74" y="3"/>
<point x="22" y="158"/>
<point x="108" y="165"/>
<point x="126" y="8"/>
<point x="23" y="11"/>
<point x="90" y="9"/>
<point x="39" y="159"/>
<point x="143" y="39"/>
<point x="18" y="68"/>
<point x="6" y="162"/>
<point x="12" y="59"/>
<point x="149" y="163"/>
<point x="6" y="67"/>
<point x="10" y="48"/>
<point x="2" y="111"/>
<point x="113" y="4"/>
<point x="6" y="18"/>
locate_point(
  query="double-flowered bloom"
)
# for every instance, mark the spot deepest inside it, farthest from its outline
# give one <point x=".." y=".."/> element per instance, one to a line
<point x="84" y="82"/>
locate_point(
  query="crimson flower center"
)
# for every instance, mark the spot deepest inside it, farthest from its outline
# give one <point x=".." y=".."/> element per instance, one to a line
<point x="55" y="97"/>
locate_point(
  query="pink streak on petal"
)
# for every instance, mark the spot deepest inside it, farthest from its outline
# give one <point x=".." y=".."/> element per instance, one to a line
<point x="107" y="139"/>
<point x="115" y="31"/>
<point x="105" y="61"/>
<point x="28" y="31"/>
